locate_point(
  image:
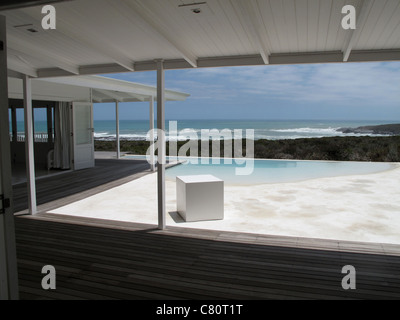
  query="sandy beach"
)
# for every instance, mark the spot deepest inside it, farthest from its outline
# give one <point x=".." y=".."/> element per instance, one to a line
<point x="356" y="208"/>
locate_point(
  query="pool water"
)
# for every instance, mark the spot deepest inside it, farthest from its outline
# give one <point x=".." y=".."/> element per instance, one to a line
<point x="276" y="171"/>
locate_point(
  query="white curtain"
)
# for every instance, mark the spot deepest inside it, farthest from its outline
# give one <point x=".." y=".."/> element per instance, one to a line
<point x="62" y="133"/>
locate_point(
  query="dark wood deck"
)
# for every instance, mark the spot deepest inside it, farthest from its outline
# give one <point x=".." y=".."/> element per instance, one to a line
<point x="61" y="189"/>
<point x="99" y="259"/>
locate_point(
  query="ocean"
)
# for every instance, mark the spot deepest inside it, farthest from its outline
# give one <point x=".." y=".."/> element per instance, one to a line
<point x="263" y="129"/>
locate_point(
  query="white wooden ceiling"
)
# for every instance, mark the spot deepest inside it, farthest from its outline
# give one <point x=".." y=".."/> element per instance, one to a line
<point x="107" y="36"/>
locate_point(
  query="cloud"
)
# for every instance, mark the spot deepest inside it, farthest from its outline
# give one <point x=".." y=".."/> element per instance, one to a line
<point x="370" y="90"/>
<point x="369" y="83"/>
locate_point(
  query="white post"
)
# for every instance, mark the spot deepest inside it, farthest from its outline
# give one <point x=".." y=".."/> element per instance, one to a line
<point x="117" y="129"/>
<point x="151" y="107"/>
<point x="8" y="256"/>
<point x="14" y="124"/>
<point x="161" y="144"/>
<point x="29" y="145"/>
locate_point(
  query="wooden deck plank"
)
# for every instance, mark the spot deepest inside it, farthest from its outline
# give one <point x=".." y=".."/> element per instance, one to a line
<point x="158" y="252"/>
<point x="75" y="185"/>
<point x="117" y="260"/>
<point x="216" y="244"/>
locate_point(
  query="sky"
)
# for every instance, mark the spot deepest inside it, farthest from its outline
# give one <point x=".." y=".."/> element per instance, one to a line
<point x="346" y="91"/>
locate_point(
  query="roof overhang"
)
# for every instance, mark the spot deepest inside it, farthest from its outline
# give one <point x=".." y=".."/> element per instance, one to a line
<point x="113" y="36"/>
<point x="109" y="90"/>
<point x="90" y="88"/>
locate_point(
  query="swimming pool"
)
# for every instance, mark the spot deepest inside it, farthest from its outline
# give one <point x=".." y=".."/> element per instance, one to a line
<point x="278" y="171"/>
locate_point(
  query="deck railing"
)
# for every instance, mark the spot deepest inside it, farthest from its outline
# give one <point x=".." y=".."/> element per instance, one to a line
<point x="37" y="137"/>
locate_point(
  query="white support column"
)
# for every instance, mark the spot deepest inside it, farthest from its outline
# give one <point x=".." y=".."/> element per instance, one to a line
<point x="161" y="143"/>
<point x="117" y="129"/>
<point x="49" y="119"/>
<point x="29" y="145"/>
<point x="151" y="119"/>
<point x="14" y="124"/>
<point x="8" y="256"/>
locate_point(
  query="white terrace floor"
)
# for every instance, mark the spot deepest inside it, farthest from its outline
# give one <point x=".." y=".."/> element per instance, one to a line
<point x="356" y="208"/>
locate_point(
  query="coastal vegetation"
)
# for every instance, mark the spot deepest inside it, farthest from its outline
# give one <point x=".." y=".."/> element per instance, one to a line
<point x="365" y="148"/>
<point x="387" y="129"/>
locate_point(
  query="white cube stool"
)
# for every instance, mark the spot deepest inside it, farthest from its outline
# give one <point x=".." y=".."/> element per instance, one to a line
<point x="200" y="197"/>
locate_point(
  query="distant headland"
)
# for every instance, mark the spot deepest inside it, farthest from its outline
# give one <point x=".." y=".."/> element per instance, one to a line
<point x="385" y="129"/>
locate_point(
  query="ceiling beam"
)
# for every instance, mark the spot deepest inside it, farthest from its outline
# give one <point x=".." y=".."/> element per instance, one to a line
<point x="306" y="58"/>
<point x="230" y="61"/>
<point x="52" y="72"/>
<point x="19" y="66"/>
<point x="374" y="55"/>
<point x="14" y="74"/>
<point x="102" y="69"/>
<point x="83" y="70"/>
<point x="277" y="58"/>
<point x="249" y="12"/>
<point x="18" y="48"/>
<point x="150" y="21"/>
<point x="362" y="16"/>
